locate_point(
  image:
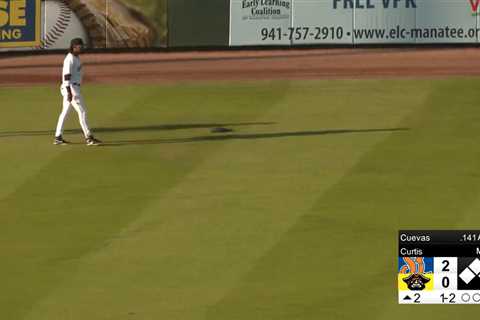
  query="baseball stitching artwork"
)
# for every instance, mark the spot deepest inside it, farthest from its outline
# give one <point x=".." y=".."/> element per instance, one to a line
<point x="60" y="26"/>
<point x="100" y="24"/>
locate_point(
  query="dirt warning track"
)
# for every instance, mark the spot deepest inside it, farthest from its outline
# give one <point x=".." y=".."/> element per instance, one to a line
<point x="246" y="65"/>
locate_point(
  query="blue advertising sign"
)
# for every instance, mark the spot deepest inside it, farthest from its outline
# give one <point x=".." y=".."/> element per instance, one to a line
<point x="20" y="23"/>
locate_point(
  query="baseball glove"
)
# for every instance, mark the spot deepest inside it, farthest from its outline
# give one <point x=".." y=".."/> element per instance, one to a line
<point x="113" y="24"/>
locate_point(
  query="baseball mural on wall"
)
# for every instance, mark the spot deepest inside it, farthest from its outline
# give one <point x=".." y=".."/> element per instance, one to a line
<point x="125" y="26"/>
<point x="51" y="24"/>
<point x="60" y="25"/>
<point x="156" y="13"/>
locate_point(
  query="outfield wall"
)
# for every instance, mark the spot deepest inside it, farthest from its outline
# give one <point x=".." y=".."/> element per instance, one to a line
<point x="350" y="22"/>
<point x="112" y="24"/>
<point x="198" y="23"/>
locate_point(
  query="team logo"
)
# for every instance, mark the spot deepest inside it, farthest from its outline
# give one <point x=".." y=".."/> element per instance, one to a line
<point x="415" y="273"/>
<point x="416" y="281"/>
<point x="474" y="6"/>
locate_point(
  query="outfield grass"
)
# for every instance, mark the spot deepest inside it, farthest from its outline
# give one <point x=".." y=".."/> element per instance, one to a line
<point x="294" y="215"/>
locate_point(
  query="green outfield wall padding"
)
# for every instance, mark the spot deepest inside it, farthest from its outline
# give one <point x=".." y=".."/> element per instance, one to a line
<point x="198" y="23"/>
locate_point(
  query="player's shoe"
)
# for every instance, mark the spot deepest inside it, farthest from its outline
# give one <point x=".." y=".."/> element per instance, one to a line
<point x="91" y="141"/>
<point x="60" y="141"/>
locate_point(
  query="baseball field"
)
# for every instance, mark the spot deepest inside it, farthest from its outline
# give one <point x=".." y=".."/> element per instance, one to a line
<point x="294" y="214"/>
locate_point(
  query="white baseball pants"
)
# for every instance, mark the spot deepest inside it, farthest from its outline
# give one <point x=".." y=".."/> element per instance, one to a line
<point x="79" y="106"/>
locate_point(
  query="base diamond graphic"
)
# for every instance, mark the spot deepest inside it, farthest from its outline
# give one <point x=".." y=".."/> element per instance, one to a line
<point x="475" y="266"/>
<point x="467" y="276"/>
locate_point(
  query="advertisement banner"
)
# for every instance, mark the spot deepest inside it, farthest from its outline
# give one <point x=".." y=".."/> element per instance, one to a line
<point x="260" y="22"/>
<point x="375" y="20"/>
<point x="452" y="21"/>
<point x="316" y="22"/>
<point x="356" y="22"/>
<point x="20" y="23"/>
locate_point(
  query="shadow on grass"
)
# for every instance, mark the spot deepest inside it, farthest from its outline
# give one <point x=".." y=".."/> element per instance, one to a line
<point x="165" y="127"/>
<point x="248" y="136"/>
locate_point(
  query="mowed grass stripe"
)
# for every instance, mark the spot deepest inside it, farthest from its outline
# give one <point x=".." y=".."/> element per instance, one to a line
<point x="84" y="197"/>
<point x="339" y="260"/>
<point x="29" y="117"/>
<point x="451" y="191"/>
<point x="25" y="109"/>
<point x="190" y="247"/>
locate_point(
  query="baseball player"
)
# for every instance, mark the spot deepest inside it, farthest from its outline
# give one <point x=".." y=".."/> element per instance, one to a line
<point x="70" y="89"/>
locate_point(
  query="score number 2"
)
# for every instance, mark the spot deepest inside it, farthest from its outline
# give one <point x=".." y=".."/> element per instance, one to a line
<point x="445" y="280"/>
<point x="446" y="297"/>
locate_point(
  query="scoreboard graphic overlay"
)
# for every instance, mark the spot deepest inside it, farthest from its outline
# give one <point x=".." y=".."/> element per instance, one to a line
<point x="439" y="267"/>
